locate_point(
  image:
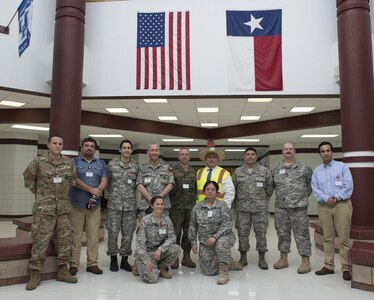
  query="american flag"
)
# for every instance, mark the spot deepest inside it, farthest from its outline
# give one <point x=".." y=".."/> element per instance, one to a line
<point x="163" y="51"/>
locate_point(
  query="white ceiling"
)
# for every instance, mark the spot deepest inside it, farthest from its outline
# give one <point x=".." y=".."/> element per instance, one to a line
<point x="230" y="111"/>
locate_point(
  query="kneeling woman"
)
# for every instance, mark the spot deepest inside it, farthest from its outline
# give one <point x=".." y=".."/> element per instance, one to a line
<point x="211" y="224"/>
<point x="155" y="245"/>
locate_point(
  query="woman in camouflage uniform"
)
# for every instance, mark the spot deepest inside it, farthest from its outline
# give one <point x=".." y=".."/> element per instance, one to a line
<point x="155" y="245"/>
<point x="211" y="223"/>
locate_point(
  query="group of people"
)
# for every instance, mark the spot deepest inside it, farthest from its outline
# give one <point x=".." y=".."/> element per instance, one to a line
<point x="181" y="209"/>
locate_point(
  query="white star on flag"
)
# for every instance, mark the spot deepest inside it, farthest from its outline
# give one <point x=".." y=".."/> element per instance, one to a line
<point x="254" y="23"/>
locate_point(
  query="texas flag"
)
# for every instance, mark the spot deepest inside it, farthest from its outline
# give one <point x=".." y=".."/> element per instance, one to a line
<point x="255" y="50"/>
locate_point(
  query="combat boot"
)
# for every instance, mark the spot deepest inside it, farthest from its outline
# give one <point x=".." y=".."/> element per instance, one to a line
<point x="175" y="264"/>
<point x="135" y="270"/>
<point x="125" y="264"/>
<point x="261" y="261"/>
<point x="282" y="262"/>
<point x="64" y="275"/>
<point x="243" y="258"/>
<point x="223" y="276"/>
<point x="305" y="265"/>
<point x="34" y="280"/>
<point x="113" y="263"/>
<point x="234" y="266"/>
<point x="187" y="261"/>
<point x="163" y="271"/>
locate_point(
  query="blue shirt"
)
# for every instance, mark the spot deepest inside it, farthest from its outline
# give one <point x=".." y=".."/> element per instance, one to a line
<point x="333" y="179"/>
<point x="91" y="174"/>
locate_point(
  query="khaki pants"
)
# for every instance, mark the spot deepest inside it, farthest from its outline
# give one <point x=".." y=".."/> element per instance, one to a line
<point x="336" y="219"/>
<point x="89" y="221"/>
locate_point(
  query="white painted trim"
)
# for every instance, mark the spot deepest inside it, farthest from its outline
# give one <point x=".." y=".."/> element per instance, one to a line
<point x="69" y="152"/>
<point x="361" y="165"/>
<point x="358" y="153"/>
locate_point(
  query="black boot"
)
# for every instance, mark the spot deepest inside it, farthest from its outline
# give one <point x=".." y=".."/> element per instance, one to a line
<point x="125" y="265"/>
<point x="113" y="263"/>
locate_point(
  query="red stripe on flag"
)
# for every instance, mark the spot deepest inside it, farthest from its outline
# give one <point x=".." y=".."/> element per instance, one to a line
<point x="146" y="68"/>
<point x="171" y="60"/>
<point x="179" y="49"/>
<point x="268" y="63"/>
<point x="163" y="82"/>
<point x="188" y="82"/>
<point x="138" y="67"/>
<point x="154" y="67"/>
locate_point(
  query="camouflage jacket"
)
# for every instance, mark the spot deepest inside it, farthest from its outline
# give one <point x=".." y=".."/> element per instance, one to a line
<point x="154" y="234"/>
<point x="52" y="183"/>
<point x="292" y="184"/>
<point x="253" y="188"/>
<point x="183" y="195"/>
<point x="122" y="184"/>
<point x="209" y="221"/>
<point x="155" y="179"/>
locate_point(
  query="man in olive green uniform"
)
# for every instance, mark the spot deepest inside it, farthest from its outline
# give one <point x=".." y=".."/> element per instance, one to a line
<point x="49" y="178"/>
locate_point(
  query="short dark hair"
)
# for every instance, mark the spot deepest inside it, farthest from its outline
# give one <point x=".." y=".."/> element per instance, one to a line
<point x="154" y="198"/>
<point x="54" y="136"/>
<point x="211" y="182"/>
<point x="89" y="139"/>
<point x="250" y="149"/>
<point x="323" y="144"/>
<point x="126" y="141"/>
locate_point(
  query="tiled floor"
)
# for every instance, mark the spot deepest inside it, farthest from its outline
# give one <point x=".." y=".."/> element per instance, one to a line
<point x="252" y="283"/>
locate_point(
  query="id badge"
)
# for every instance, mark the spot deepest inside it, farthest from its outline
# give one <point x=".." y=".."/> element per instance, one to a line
<point x="338" y="183"/>
<point x="210" y="214"/>
<point x="57" y="179"/>
<point x="129" y="181"/>
<point x="89" y="174"/>
<point x="147" y="180"/>
<point x="186" y="186"/>
<point x="162" y="231"/>
<point x="259" y="184"/>
<point x="282" y="171"/>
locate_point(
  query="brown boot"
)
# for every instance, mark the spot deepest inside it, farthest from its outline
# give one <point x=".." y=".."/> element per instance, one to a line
<point x="282" y="262"/>
<point x="34" y="280"/>
<point x="163" y="272"/>
<point x="187" y="261"/>
<point x="305" y="265"/>
<point x="135" y="270"/>
<point x="223" y="276"/>
<point x="64" y="275"/>
<point x="235" y="266"/>
<point x="175" y="264"/>
<point x="261" y="261"/>
<point x="243" y="258"/>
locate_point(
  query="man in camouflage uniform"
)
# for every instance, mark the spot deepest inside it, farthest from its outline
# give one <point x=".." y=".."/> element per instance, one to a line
<point x="292" y="183"/>
<point x="121" y="205"/>
<point x="182" y="198"/>
<point x="153" y="236"/>
<point x="212" y="221"/>
<point x="253" y="188"/>
<point x="155" y="178"/>
<point x="49" y="178"/>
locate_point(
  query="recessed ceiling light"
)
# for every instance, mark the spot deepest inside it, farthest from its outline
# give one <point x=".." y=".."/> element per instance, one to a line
<point x="250" y="118"/>
<point x="115" y="110"/>
<point x="106" y="135"/>
<point x="30" y="127"/>
<point x="319" y="135"/>
<point x="259" y="100"/>
<point x="244" y="140"/>
<point x="302" y="109"/>
<point x="167" y="118"/>
<point x="12" y="103"/>
<point x="207" y="109"/>
<point x="191" y="149"/>
<point x="209" y="124"/>
<point x="234" y="150"/>
<point x="156" y="100"/>
<point x="177" y="140"/>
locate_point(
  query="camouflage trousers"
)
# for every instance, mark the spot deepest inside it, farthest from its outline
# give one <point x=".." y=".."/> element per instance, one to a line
<point x="181" y="222"/>
<point x="124" y="222"/>
<point x="167" y="258"/>
<point x="297" y="220"/>
<point x="220" y="252"/>
<point x="244" y="222"/>
<point x="42" y="229"/>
